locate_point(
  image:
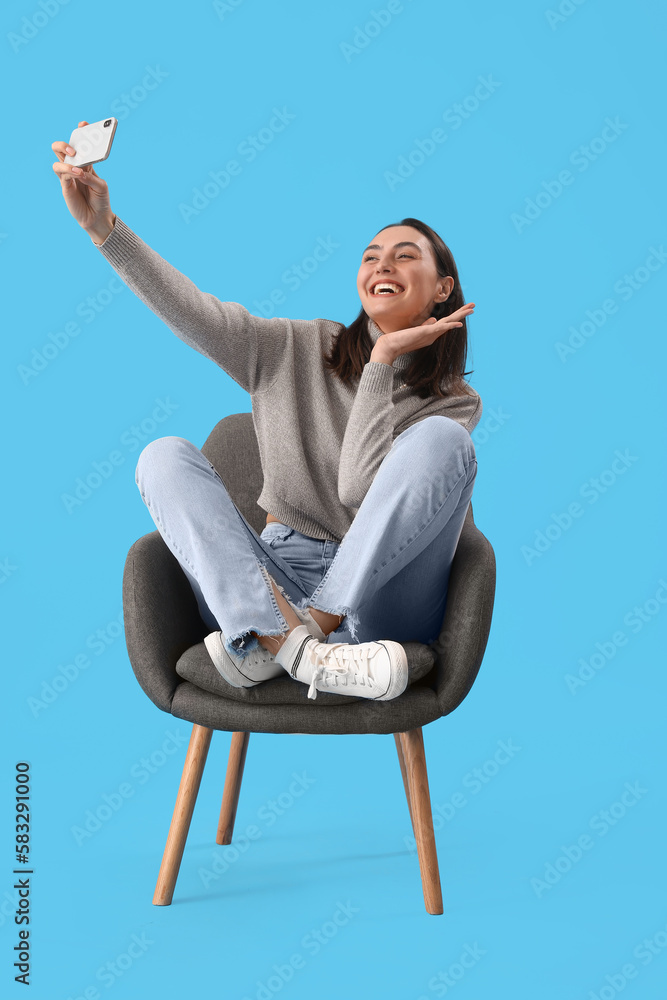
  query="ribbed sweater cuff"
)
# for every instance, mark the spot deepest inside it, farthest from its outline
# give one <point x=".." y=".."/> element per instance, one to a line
<point x="377" y="377"/>
<point x="120" y="244"/>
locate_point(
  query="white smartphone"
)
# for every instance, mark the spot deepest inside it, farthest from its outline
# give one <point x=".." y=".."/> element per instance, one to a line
<point x="92" y="143"/>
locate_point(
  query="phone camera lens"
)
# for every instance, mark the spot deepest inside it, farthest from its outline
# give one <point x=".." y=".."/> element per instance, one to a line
<point x="107" y="123"/>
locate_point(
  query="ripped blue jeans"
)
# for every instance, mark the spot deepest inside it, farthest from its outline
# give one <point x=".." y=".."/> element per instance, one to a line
<point x="388" y="575"/>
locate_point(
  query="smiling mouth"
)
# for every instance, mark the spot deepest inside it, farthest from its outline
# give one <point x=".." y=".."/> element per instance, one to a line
<point x="386" y="288"/>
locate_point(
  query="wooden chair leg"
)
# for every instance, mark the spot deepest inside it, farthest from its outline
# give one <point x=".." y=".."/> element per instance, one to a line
<point x="412" y="744"/>
<point x="401" y="761"/>
<point x="200" y="740"/>
<point x="230" y="795"/>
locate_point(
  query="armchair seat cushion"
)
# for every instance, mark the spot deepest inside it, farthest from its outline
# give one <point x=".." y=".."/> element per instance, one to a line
<point x="195" y="665"/>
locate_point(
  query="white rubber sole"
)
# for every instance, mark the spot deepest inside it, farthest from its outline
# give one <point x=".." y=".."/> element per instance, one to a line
<point x="399" y="670"/>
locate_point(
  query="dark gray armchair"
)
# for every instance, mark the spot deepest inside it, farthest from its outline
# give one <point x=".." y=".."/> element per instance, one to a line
<point x="164" y="633"/>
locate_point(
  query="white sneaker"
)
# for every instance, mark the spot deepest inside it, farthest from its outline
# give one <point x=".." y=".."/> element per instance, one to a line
<point x="375" y="670"/>
<point x="241" y="671"/>
<point x="256" y="666"/>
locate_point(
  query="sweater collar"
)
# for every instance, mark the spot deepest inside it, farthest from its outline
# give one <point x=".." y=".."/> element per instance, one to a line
<point x="403" y="361"/>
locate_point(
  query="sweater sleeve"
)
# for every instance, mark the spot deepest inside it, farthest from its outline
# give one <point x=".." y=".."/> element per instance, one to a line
<point x="368" y="433"/>
<point x="370" y="430"/>
<point x="249" y="348"/>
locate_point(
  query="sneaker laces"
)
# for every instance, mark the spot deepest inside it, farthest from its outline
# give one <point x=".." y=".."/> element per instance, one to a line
<point x="341" y="660"/>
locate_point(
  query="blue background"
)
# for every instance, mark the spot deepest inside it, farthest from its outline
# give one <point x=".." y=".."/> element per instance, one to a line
<point x="551" y="427"/>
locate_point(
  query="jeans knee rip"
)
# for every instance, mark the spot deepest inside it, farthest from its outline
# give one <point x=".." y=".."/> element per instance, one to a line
<point x="304" y="602"/>
<point x="289" y="600"/>
<point x="350" y="622"/>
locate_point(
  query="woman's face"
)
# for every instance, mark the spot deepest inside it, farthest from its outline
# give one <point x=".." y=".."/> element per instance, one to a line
<point x="403" y="257"/>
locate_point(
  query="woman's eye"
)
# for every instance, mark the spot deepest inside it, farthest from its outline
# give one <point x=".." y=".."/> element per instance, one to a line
<point x="370" y="256"/>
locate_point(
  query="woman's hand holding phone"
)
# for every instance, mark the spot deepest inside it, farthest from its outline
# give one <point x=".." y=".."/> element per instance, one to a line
<point x="86" y="195"/>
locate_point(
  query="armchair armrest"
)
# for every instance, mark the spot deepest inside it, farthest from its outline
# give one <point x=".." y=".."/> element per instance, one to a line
<point x="161" y="617"/>
<point x="470" y="595"/>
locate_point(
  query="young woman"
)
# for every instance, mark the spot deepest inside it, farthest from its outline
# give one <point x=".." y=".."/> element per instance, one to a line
<point x="365" y="448"/>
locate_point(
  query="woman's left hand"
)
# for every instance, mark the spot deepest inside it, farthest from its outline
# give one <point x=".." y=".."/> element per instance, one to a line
<point x="391" y="345"/>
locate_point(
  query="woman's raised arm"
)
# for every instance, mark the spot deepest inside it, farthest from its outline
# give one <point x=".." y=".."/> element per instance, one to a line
<point x="249" y="348"/>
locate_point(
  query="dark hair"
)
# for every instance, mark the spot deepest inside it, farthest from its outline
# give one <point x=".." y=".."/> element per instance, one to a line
<point x="442" y="361"/>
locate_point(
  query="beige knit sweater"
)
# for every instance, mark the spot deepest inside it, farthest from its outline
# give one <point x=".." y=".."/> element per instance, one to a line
<point x="321" y="441"/>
